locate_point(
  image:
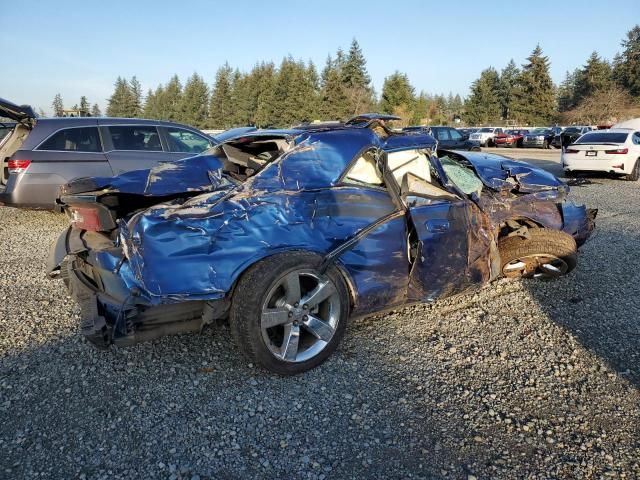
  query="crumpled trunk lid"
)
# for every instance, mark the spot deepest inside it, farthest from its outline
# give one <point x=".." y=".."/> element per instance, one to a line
<point x="202" y="173"/>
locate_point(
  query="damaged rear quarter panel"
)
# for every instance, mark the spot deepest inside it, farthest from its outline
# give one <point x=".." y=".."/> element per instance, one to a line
<point x="200" y="250"/>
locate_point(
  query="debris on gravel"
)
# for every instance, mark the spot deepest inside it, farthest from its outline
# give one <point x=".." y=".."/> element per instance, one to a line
<point x="520" y="379"/>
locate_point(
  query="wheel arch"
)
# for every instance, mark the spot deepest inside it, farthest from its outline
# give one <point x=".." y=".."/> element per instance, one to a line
<point x="344" y="273"/>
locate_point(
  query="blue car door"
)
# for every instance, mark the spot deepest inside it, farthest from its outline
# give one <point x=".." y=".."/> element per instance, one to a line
<point x="440" y="247"/>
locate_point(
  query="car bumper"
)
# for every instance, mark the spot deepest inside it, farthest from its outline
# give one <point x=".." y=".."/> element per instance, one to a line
<point x="619" y="166"/>
<point x="533" y="143"/>
<point x="113" y="308"/>
<point x="26" y="191"/>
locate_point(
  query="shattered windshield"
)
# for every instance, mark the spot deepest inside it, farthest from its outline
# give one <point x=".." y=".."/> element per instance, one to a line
<point x="464" y="178"/>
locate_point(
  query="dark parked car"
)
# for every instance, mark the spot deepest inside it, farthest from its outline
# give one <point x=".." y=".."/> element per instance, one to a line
<point x="510" y="138"/>
<point x="40" y="154"/>
<point x="448" y="137"/>
<point x="569" y="135"/>
<point x="288" y="233"/>
<point x="466" y="132"/>
<point x="538" y="138"/>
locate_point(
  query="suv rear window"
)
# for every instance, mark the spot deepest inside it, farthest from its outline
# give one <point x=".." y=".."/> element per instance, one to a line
<point x="83" y="139"/>
<point x="142" y="137"/>
<point x="603" y="137"/>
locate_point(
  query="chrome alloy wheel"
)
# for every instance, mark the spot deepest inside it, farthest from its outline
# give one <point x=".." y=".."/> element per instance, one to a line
<point x="300" y="315"/>
<point x="536" y="266"/>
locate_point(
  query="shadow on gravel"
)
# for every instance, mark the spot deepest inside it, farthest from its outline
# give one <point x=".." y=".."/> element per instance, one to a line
<point x="598" y="303"/>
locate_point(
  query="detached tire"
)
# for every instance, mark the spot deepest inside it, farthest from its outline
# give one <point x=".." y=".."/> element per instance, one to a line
<point x="545" y="254"/>
<point x="286" y="316"/>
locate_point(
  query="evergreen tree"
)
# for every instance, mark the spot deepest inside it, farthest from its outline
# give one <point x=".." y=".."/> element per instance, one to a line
<point x="627" y="65"/>
<point x="152" y="105"/>
<point x="593" y="77"/>
<point x="194" y="102"/>
<point x="291" y="91"/>
<point x="567" y="91"/>
<point x="95" y="111"/>
<point x="120" y="100"/>
<point x="84" y="107"/>
<point x="170" y="100"/>
<point x="264" y="89"/>
<point x="534" y="97"/>
<point x="333" y="102"/>
<point x="507" y="85"/>
<point x="58" y="106"/>
<point x="220" y="104"/>
<point x="356" y="79"/>
<point x="398" y="96"/>
<point x="134" y="99"/>
<point x="483" y="105"/>
<point x="420" y="113"/>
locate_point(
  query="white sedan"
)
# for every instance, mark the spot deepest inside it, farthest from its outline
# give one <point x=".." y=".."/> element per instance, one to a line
<point x="615" y="151"/>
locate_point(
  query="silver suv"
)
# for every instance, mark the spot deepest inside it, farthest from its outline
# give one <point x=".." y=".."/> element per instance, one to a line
<point x="484" y="136"/>
<point x="40" y="154"/>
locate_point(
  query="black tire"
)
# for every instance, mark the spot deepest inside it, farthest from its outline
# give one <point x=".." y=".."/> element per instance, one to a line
<point x="635" y="173"/>
<point x="542" y="242"/>
<point x="250" y="294"/>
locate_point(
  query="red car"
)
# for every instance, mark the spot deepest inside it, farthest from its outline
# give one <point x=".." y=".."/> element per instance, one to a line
<point x="510" y="138"/>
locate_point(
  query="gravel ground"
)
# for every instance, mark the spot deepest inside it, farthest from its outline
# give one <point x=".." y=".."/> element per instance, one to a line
<point x="518" y="380"/>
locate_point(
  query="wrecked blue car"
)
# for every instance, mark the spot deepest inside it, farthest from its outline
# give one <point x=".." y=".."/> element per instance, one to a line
<point x="289" y="233"/>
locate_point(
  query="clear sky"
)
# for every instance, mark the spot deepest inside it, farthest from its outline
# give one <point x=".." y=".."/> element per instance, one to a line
<point x="80" y="47"/>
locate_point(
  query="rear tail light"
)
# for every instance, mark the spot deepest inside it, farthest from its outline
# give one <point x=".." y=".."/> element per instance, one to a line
<point x="618" y="151"/>
<point x="571" y="150"/>
<point x="85" y="218"/>
<point x="18" y="166"/>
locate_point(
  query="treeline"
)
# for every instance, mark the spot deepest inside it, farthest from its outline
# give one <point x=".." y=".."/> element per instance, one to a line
<point x="279" y="96"/>
<point x="597" y="91"/>
<point x="83" y="109"/>
<point x="294" y="91"/>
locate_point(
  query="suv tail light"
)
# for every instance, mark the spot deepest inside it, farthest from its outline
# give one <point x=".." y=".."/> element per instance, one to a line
<point x="85" y="218"/>
<point x="18" y="166"/>
<point x="571" y="150"/>
<point x="618" y="151"/>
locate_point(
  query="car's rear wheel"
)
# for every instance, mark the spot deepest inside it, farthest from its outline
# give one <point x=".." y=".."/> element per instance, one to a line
<point x="544" y="254"/>
<point x="286" y="315"/>
<point x="635" y="173"/>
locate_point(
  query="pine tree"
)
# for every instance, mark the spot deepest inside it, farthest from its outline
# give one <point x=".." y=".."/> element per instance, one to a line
<point x="356" y="79"/>
<point x="291" y="91"/>
<point x="220" y="113"/>
<point x="264" y="90"/>
<point x="508" y="81"/>
<point x="153" y="104"/>
<point x="333" y="102"/>
<point x="483" y="105"/>
<point x="593" y="77"/>
<point x="58" y="106"/>
<point x="420" y="114"/>
<point x="534" y="97"/>
<point x="170" y="100"/>
<point x="95" y="111"/>
<point x="627" y="65"/>
<point x="84" y="107"/>
<point x="134" y="99"/>
<point x="195" y="102"/>
<point x="398" y="96"/>
<point x="567" y="91"/>
<point x="118" y="103"/>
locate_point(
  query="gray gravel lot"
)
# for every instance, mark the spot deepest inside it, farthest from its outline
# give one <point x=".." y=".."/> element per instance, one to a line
<point x="518" y="380"/>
